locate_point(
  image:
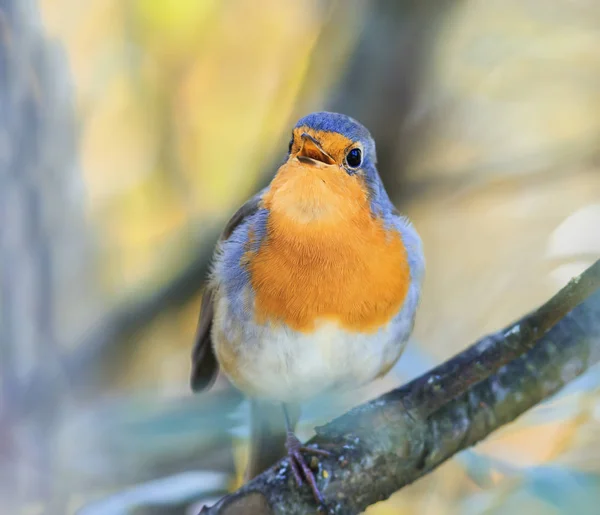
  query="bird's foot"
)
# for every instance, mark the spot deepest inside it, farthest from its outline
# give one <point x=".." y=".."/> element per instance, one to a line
<point x="299" y="466"/>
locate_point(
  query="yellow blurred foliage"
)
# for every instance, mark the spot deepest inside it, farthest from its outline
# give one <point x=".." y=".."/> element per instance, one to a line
<point x="184" y="106"/>
<point x="172" y="31"/>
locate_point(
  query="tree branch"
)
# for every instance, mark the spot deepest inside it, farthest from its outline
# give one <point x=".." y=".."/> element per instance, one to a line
<point x="381" y="446"/>
<point x="455" y="376"/>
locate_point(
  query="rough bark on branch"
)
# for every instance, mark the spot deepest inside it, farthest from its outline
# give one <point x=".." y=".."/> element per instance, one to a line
<point x="390" y="442"/>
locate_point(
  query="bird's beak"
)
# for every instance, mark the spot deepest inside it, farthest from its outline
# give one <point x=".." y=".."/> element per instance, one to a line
<point x="311" y="152"/>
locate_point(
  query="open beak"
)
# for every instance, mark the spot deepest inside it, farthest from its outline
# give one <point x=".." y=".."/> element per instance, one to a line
<point x="311" y="152"/>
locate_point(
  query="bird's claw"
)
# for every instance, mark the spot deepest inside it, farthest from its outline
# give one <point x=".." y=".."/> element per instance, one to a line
<point x="300" y="467"/>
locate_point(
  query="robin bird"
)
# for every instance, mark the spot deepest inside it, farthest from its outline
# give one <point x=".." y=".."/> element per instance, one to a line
<point x="314" y="287"/>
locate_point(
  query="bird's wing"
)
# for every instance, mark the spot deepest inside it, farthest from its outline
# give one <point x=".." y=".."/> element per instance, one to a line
<point x="204" y="362"/>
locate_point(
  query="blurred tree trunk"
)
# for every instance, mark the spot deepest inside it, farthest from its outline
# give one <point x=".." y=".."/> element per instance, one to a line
<point x="380" y="85"/>
<point x="43" y="248"/>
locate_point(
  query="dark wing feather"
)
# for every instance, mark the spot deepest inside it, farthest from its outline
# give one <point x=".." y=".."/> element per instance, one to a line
<point x="204" y="362"/>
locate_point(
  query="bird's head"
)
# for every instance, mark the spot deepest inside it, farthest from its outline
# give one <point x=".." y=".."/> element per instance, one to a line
<point x="329" y="173"/>
<point x="332" y="140"/>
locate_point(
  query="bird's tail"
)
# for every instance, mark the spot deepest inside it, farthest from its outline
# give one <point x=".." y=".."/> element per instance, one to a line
<point x="267" y="435"/>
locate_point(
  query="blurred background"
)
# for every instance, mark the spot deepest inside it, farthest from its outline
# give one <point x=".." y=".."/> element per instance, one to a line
<point x="130" y="130"/>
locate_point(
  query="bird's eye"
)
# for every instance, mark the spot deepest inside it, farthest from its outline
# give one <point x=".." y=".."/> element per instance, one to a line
<point x="354" y="158"/>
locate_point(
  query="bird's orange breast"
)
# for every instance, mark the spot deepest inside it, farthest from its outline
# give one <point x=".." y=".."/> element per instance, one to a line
<point x="325" y="257"/>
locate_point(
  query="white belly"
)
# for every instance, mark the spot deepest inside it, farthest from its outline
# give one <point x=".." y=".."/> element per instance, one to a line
<point x="279" y="364"/>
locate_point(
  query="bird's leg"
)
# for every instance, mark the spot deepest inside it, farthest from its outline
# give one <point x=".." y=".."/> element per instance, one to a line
<point x="299" y="466"/>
